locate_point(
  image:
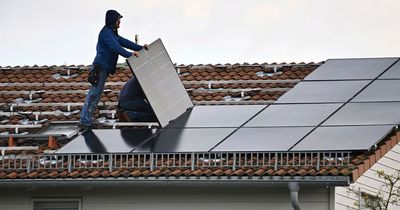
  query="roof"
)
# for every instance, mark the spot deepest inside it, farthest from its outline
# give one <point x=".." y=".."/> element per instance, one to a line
<point x="32" y="97"/>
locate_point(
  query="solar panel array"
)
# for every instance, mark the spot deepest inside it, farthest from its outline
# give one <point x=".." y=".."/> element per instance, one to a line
<point x="344" y="105"/>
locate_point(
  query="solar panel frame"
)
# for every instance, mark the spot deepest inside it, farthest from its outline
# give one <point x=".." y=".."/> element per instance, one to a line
<point x="293" y="115"/>
<point x="351" y="69"/>
<point x="343" y="138"/>
<point x="216" y="116"/>
<point x="160" y="82"/>
<point x="380" y="91"/>
<point x="262" y="139"/>
<point x="108" y="140"/>
<point x="374" y="113"/>
<point x="392" y="73"/>
<point x="184" y="140"/>
<point x="322" y="92"/>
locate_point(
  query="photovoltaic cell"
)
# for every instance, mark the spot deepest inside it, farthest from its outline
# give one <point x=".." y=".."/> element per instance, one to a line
<point x="108" y="140"/>
<point x="392" y="73"/>
<point x="380" y="90"/>
<point x="347" y="69"/>
<point x="322" y="92"/>
<point x="185" y="140"/>
<point x="293" y="115"/>
<point x="160" y="82"/>
<point x="366" y="114"/>
<point x="216" y="116"/>
<point x="343" y="138"/>
<point x="263" y="139"/>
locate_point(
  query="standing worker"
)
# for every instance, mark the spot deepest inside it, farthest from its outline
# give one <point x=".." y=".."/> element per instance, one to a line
<point x="109" y="46"/>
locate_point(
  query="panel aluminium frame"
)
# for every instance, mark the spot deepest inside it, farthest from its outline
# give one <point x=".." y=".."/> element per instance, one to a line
<point x="108" y="140"/>
<point x="216" y="116"/>
<point x="343" y="138"/>
<point x="392" y="73"/>
<point x="350" y="69"/>
<point x="184" y="140"/>
<point x="293" y="115"/>
<point x="160" y="82"/>
<point x="262" y="139"/>
<point x="379" y="91"/>
<point x="377" y="113"/>
<point x="322" y="92"/>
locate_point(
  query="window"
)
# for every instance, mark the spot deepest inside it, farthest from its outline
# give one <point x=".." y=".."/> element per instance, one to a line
<point x="56" y="204"/>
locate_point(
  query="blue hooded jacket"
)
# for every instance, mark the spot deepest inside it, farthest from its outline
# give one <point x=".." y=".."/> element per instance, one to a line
<point x="131" y="91"/>
<point x="110" y="44"/>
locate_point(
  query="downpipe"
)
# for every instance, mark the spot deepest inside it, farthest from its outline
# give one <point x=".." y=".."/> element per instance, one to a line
<point x="294" y="194"/>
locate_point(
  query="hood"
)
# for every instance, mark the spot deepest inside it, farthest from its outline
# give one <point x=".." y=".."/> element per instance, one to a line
<point x="112" y="17"/>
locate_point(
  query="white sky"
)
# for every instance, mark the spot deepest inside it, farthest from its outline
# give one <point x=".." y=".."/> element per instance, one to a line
<point x="48" y="32"/>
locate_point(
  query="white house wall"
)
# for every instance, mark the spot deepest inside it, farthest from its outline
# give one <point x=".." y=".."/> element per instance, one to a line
<point x="166" y="198"/>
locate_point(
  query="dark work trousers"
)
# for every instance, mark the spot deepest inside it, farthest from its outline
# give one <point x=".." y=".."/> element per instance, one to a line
<point x="138" y="110"/>
<point x="92" y="99"/>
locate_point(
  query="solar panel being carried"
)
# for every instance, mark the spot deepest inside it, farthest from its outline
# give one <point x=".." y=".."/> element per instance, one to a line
<point x="164" y="90"/>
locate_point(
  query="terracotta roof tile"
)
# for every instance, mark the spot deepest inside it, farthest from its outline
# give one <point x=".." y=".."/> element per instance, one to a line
<point x="146" y="172"/>
<point x="12" y="175"/>
<point x="33" y="174"/>
<point x="355" y="174"/>
<point x="23" y="175"/>
<point x="260" y="172"/>
<point x="280" y="172"/>
<point x="3" y="175"/>
<point x="156" y="172"/>
<point x="238" y="172"/>
<point x="136" y="173"/>
<point x="228" y="172"/>
<point x="302" y="172"/>
<point x="166" y="172"/>
<point x="207" y="172"/>
<point x="345" y="171"/>
<point x="334" y="172"/>
<point x="94" y="174"/>
<point x="74" y="174"/>
<point x="53" y="174"/>
<point x="176" y="172"/>
<point x="105" y="173"/>
<point x="63" y="174"/>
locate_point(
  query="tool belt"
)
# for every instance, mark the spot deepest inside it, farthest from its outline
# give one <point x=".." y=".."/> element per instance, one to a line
<point x="94" y="75"/>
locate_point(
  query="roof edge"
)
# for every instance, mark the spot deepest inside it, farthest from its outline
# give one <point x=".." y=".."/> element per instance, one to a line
<point x="183" y="181"/>
<point x="375" y="156"/>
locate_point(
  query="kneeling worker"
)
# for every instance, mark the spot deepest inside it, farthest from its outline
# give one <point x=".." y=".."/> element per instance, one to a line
<point x="133" y="102"/>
